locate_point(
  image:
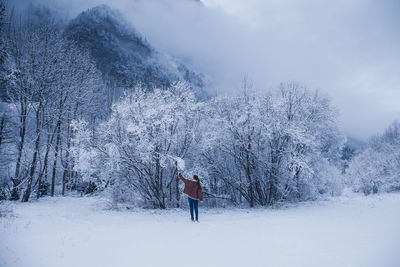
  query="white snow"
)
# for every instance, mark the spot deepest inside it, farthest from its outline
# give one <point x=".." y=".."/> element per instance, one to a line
<point x="348" y="231"/>
<point x="181" y="163"/>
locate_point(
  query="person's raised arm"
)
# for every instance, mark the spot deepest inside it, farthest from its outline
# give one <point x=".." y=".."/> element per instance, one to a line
<point x="182" y="178"/>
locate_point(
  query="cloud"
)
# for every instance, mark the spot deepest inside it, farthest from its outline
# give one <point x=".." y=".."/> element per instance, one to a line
<point x="348" y="48"/>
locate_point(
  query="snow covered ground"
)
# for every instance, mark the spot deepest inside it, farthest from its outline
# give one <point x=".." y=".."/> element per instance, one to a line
<point x="349" y="231"/>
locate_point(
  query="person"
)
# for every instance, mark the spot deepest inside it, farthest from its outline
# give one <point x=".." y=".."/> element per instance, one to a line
<point x="195" y="194"/>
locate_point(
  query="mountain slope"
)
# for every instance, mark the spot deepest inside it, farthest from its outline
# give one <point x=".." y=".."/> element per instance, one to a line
<point x="122" y="55"/>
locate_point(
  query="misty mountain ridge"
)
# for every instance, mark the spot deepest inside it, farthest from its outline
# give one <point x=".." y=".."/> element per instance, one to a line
<point x="123" y="56"/>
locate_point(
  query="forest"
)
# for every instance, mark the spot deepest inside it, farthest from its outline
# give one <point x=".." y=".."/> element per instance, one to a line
<point x="68" y="128"/>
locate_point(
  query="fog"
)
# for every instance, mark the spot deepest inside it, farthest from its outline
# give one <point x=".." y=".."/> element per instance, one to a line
<point x="348" y="49"/>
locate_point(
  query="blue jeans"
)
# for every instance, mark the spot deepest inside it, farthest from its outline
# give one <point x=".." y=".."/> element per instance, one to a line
<point x="194" y="203"/>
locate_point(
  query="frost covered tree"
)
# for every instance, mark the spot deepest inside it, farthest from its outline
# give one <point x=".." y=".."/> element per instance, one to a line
<point x="53" y="82"/>
<point x="138" y="146"/>
<point x="377" y="168"/>
<point x="82" y="100"/>
<point x="230" y="144"/>
<point x="37" y="53"/>
<point x="269" y="147"/>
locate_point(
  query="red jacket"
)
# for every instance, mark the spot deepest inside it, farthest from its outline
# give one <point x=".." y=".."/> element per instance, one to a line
<point x="192" y="188"/>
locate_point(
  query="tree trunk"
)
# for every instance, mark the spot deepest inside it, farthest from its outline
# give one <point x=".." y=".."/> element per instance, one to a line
<point x="297" y="175"/>
<point x="273" y="191"/>
<point x="58" y="141"/>
<point x="46" y="159"/>
<point x="248" y="175"/>
<point x="64" y="178"/>
<point x="178" y="195"/>
<point x="14" y="190"/>
<point x="22" y="133"/>
<point x="28" y="190"/>
<point x="2" y="125"/>
<point x="162" y="189"/>
<point x="66" y="164"/>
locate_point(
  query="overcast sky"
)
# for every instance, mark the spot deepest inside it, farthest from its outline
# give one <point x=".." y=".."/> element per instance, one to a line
<point x="347" y="48"/>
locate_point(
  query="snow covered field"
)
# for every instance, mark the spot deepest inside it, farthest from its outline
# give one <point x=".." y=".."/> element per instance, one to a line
<point x="349" y="231"/>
